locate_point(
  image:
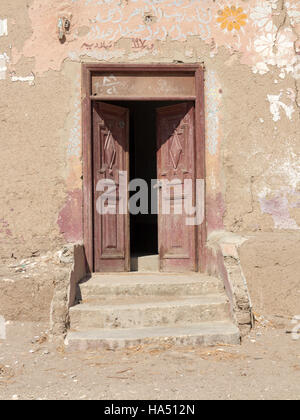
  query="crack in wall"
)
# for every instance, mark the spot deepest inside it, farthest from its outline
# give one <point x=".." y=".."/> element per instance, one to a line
<point x="297" y="95"/>
<point x="283" y="18"/>
<point x="297" y="65"/>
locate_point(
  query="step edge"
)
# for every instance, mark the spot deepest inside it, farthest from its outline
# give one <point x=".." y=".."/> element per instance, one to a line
<point x="193" y="302"/>
<point x="133" y="284"/>
<point x="135" y="275"/>
<point x="204" y="328"/>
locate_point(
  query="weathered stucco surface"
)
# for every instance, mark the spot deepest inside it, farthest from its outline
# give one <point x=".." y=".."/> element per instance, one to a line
<point x="250" y="50"/>
<point x="272" y="266"/>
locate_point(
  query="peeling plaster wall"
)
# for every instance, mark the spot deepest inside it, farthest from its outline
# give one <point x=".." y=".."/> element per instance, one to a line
<point x="251" y="51"/>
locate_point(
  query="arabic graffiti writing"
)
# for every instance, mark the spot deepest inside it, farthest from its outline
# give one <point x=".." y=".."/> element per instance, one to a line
<point x="99" y="26"/>
<point x="174" y="19"/>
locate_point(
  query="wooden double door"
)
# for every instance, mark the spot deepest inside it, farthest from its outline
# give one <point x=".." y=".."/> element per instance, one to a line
<point x="175" y="132"/>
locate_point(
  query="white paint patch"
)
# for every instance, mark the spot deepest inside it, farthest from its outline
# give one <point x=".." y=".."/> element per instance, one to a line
<point x="4" y="59"/>
<point x="278" y="206"/>
<point x="8" y="280"/>
<point x="3" y="27"/>
<point x="28" y="79"/>
<point x="260" y="68"/>
<point x="293" y="10"/>
<point x="297" y="72"/>
<point x="101" y="56"/>
<point x="2" y="328"/>
<point x="288" y="166"/>
<point x="276" y="105"/>
<point x="282" y="74"/>
<point x="213" y="100"/>
<point x="137" y="55"/>
<point x="74" y="145"/>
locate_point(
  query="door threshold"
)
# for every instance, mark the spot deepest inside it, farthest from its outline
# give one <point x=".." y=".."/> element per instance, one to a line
<point x="145" y="263"/>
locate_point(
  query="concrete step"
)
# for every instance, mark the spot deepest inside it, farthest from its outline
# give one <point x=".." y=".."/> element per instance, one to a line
<point x="147" y="284"/>
<point x="202" y="334"/>
<point x="146" y="263"/>
<point x="182" y="311"/>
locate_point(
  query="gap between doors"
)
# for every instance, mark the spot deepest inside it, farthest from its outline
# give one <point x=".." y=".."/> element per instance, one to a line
<point x="153" y="144"/>
<point x="143" y="165"/>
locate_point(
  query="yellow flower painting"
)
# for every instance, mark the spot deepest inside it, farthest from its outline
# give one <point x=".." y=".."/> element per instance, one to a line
<point x="232" y="18"/>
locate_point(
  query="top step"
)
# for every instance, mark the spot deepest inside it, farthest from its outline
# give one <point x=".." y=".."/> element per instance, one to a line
<point x="148" y="284"/>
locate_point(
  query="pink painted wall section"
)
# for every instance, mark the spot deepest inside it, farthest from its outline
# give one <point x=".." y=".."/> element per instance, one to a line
<point x="215" y="209"/>
<point x="70" y="217"/>
<point x="249" y="28"/>
<point x="215" y="206"/>
<point x="279" y="207"/>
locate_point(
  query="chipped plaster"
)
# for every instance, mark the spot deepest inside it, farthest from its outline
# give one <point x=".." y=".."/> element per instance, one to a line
<point x="277" y="105"/>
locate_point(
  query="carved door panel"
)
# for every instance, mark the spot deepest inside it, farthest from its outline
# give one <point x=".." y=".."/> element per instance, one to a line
<point x="176" y="164"/>
<point x="111" y="166"/>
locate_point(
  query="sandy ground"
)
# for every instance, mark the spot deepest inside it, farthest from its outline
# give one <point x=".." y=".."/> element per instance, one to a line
<point x="265" y="366"/>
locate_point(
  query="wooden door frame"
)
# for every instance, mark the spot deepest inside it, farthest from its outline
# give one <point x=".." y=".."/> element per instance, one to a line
<point x="197" y="70"/>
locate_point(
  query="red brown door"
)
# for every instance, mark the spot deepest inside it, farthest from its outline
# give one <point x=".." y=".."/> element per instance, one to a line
<point x="175" y="164"/>
<point x="111" y="164"/>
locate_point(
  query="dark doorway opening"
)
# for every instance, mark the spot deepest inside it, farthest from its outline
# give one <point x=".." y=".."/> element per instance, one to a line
<point x="143" y="165"/>
<point x="143" y="227"/>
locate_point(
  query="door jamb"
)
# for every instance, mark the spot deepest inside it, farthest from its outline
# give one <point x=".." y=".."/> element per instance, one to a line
<point x="87" y="71"/>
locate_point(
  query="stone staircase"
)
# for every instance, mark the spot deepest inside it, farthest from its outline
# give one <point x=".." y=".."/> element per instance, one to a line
<point x="129" y="309"/>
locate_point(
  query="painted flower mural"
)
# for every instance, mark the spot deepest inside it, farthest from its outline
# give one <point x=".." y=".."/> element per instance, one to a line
<point x="264" y="44"/>
<point x="232" y="18"/>
<point x="293" y="11"/>
<point x="262" y="16"/>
